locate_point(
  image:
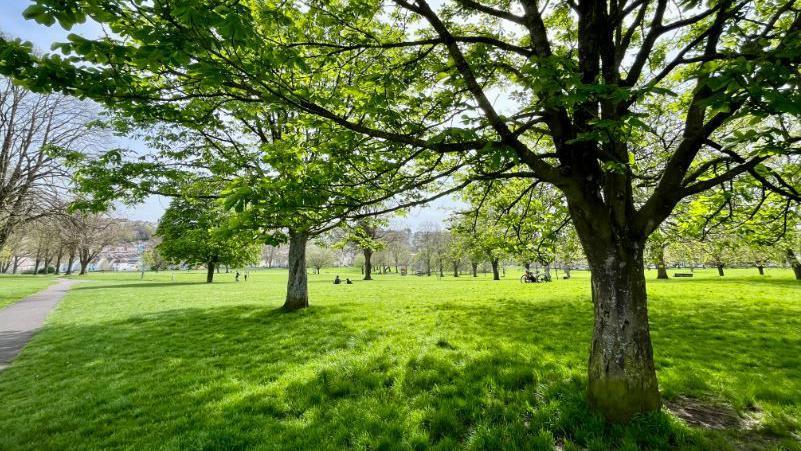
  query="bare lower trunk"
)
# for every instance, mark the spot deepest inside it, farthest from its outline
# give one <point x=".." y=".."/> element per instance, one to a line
<point x="70" y="262"/>
<point x="622" y="378"/>
<point x="368" y="266"/>
<point x="661" y="268"/>
<point x="761" y="269"/>
<point x="455" y="269"/>
<point x="84" y="265"/>
<point x="209" y="272"/>
<point x="720" y="270"/>
<point x="297" y="292"/>
<point x="495" y="274"/>
<point x="474" y="266"/>
<point x="36" y="266"/>
<point x="794" y="263"/>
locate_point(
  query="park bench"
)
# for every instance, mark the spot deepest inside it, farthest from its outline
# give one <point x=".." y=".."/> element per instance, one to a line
<point x="683" y="274"/>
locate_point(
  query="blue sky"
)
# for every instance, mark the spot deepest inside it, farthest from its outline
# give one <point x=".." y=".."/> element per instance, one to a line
<point x="14" y="25"/>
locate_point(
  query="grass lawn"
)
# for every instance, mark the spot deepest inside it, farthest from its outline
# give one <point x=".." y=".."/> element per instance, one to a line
<point x="15" y="287"/>
<point x="396" y="363"/>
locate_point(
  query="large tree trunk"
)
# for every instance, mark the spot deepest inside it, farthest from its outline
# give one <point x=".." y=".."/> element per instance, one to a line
<point x="720" y="269"/>
<point x="761" y="269"/>
<point x="36" y="266"/>
<point x="495" y="274"/>
<point x="622" y="379"/>
<point x="661" y="268"/>
<point x="297" y="292"/>
<point x="455" y="269"/>
<point x="58" y="262"/>
<point x="368" y="266"/>
<point x="15" y="265"/>
<point x="209" y="272"/>
<point x="794" y="262"/>
<point x="84" y="265"/>
<point x="70" y="261"/>
<point x="474" y="266"/>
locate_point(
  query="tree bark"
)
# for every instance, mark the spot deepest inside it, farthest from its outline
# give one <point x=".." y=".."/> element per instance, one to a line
<point x="297" y="292"/>
<point x="210" y="272"/>
<point x="661" y="268"/>
<point x="495" y="274"/>
<point x="70" y="261"/>
<point x="622" y="378"/>
<point x="84" y="265"/>
<point x="455" y="269"/>
<point x="474" y="266"/>
<point x="794" y="263"/>
<point x="58" y="262"/>
<point x="761" y="269"/>
<point x="368" y="266"/>
<point x="720" y="269"/>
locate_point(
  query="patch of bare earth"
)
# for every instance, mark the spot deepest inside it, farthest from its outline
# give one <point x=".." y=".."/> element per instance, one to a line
<point x="707" y="414"/>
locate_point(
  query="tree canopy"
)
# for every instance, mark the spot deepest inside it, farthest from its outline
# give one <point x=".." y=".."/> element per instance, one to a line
<point x="194" y="233"/>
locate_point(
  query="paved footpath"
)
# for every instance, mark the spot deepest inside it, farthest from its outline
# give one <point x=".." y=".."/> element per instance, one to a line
<point x="20" y="320"/>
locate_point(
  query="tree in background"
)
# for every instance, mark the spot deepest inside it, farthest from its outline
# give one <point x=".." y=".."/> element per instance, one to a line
<point x="398" y="247"/>
<point x="92" y="232"/>
<point x="193" y="233"/>
<point x="367" y="235"/>
<point x="38" y="134"/>
<point x="318" y="257"/>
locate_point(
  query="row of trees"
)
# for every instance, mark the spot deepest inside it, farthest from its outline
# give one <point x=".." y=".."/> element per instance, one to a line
<point x="301" y="116"/>
<point x="68" y="240"/>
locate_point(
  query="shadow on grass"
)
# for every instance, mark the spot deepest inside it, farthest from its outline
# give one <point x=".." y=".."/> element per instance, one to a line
<point x="510" y="376"/>
<point x="143" y="284"/>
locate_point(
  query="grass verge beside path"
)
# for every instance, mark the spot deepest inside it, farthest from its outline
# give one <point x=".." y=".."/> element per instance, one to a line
<point x="15" y="287"/>
<point x="395" y="363"/>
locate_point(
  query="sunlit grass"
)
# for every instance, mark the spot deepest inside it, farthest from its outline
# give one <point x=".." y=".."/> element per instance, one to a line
<point x="395" y="363"/>
<point x="15" y="287"/>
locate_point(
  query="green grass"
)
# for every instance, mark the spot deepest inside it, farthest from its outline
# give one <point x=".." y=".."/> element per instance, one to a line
<point x="15" y="287"/>
<point x="396" y="363"/>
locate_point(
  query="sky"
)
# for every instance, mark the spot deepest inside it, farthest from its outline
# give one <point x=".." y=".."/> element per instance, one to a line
<point x="12" y="24"/>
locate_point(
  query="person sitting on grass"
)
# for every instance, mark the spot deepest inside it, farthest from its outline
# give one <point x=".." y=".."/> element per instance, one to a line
<point x="337" y="281"/>
<point x="348" y="281"/>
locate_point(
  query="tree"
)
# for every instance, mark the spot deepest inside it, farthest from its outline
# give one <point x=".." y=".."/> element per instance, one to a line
<point x="657" y="243"/>
<point x="37" y="135"/>
<point x="319" y="257"/>
<point x="425" y="241"/>
<point x="92" y="232"/>
<point x="580" y="78"/>
<point x="367" y="235"/>
<point x="194" y="233"/>
<point x="398" y="248"/>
